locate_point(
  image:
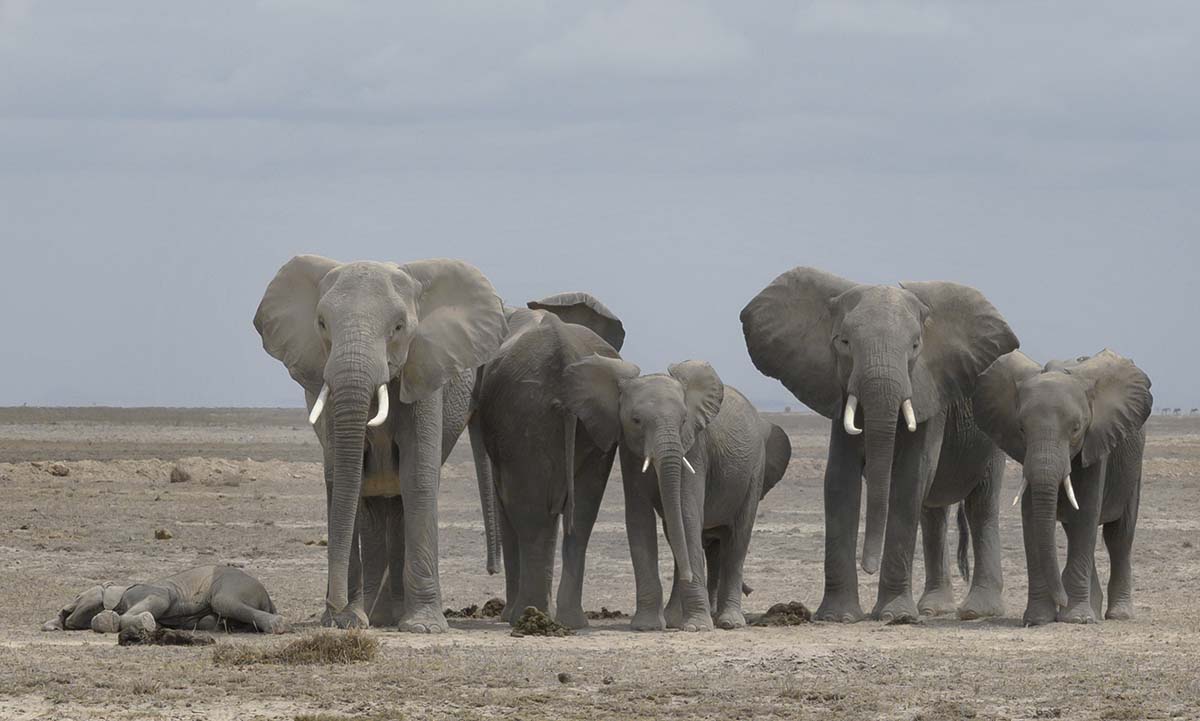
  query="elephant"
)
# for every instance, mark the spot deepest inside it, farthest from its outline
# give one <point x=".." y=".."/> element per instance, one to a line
<point x="382" y="351"/>
<point x="1078" y="429"/>
<point x="204" y="598"/>
<point x="545" y="463"/>
<point x="662" y="424"/>
<point x="893" y="367"/>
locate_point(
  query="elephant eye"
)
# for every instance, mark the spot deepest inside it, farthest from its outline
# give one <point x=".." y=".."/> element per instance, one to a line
<point x="845" y="342"/>
<point x="321" y="323"/>
<point x="636" y="421"/>
<point x="399" y="327"/>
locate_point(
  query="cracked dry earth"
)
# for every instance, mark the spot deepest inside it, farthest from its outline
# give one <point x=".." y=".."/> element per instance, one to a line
<point x="254" y="498"/>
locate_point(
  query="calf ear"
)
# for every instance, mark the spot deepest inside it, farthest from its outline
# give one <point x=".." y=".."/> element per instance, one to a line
<point x="585" y="310"/>
<point x="995" y="401"/>
<point x="703" y="393"/>
<point x="1121" y="401"/>
<point x="779" y="454"/>
<point x="593" y="395"/>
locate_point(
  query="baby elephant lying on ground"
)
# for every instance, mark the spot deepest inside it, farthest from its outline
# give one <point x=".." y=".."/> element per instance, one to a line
<point x="205" y="598"/>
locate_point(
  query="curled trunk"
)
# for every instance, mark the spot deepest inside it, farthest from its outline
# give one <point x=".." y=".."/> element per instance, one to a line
<point x="668" y="464"/>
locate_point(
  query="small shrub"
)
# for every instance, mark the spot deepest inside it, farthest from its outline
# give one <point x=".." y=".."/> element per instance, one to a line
<point x="321" y="648"/>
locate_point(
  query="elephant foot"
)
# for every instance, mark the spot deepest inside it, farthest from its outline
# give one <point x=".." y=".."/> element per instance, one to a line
<point x="1039" y="612"/>
<point x="345" y="619"/>
<point x="937" y="602"/>
<point x="571" y="618"/>
<point x="651" y="620"/>
<point x="106" y="622"/>
<point x="837" y="608"/>
<point x="900" y="609"/>
<point x="274" y="624"/>
<point x="981" y="603"/>
<point x="730" y="619"/>
<point x="1080" y="612"/>
<point x="381" y="619"/>
<point x="427" y="619"/>
<point x="1122" y="611"/>
<point x="673" y="614"/>
<point x="143" y="621"/>
<point x="695" y="623"/>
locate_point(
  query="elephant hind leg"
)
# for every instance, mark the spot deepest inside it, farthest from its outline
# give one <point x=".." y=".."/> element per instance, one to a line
<point x="982" y="506"/>
<point x="591" y="478"/>
<point x="712" y="560"/>
<point x="511" y="555"/>
<point x="1118" y="539"/>
<point x="938" y="598"/>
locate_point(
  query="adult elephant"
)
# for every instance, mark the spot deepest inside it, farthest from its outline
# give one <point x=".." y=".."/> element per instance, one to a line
<point x="546" y="464"/>
<point x="362" y="339"/>
<point x="865" y="355"/>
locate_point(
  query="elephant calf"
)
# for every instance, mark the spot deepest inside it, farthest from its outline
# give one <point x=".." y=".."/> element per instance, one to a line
<point x="1077" y="429"/>
<point x="698" y="452"/>
<point x="204" y="598"/>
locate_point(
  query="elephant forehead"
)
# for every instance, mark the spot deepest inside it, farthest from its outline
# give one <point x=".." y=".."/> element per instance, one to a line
<point x="882" y="306"/>
<point x="367" y="282"/>
<point x="653" y="390"/>
<point x="1052" y="394"/>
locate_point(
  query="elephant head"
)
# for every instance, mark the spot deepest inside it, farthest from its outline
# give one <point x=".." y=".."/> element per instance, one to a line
<point x="655" y="417"/>
<point x="872" y="352"/>
<point x="347" y="332"/>
<point x="1049" y="418"/>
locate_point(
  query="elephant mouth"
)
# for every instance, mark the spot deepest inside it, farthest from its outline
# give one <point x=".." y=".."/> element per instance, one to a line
<point x="1065" y="483"/>
<point x="381" y="414"/>
<point x="910" y="416"/>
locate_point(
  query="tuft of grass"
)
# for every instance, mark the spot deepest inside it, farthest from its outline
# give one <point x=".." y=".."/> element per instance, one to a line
<point x="321" y="648"/>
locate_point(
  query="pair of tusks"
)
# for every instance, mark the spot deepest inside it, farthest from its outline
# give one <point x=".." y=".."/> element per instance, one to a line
<point x="910" y="418"/>
<point x="646" y="464"/>
<point x="1066" y="485"/>
<point x="380" y="415"/>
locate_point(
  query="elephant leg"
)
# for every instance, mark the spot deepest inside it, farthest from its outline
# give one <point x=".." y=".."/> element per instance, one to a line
<point x="1081" y="531"/>
<point x="393" y="591"/>
<point x="712" y="560"/>
<point x="511" y="556"/>
<point x="1096" y="593"/>
<point x="843" y="499"/>
<point x="231" y="606"/>
<point x="590" y="481"/>
<point x="642" y="532"/>
<point x="734" y="546"/>
<point x="373" y="547"/>
<point x="1040" y="607"/>
<point x="912" y="475"/>
<point x="938" y="598"/>
<point x="422" y="587"/>
<point x="693" y="595"/>
<point x="982" y="507"/>
<point x="1118" y="539"/>
<point x="536" y="550"/>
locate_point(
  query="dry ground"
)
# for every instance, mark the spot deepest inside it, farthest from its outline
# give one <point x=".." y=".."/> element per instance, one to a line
<point x="255" y="499"/>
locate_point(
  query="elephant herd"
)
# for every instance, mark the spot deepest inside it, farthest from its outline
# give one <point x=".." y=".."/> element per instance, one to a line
<point x="923" y="383"/>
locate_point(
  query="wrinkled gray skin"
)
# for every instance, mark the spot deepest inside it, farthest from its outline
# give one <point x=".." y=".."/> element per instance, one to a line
<point x="545" y="463"/>
<point x="205" y="598"/>
<point x="356" y="326"/>
<point x="827" y="339"/>
<point x="685" y="413"/>
<point x="1083" y="419"/>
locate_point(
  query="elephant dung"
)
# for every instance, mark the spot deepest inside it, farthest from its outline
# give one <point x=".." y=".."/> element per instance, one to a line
<point x="535" y="623"/>
<point x="493" y="608"/>
<point x="793" y="613"/>
<point x="60" y="470"/>
<point x="162" y="637"/>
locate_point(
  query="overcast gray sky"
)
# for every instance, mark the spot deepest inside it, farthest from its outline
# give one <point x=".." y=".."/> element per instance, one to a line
<point x="160" y="161"/>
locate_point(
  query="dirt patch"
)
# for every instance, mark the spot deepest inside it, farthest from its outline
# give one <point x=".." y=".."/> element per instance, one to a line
<point x="535" y="623"/>
<point x="320" y="648"/>
<point x="163" y="637"/>
<point x="792" y="613"/>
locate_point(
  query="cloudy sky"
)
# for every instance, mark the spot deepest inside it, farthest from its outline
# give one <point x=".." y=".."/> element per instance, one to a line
<point x="159" y="162"/>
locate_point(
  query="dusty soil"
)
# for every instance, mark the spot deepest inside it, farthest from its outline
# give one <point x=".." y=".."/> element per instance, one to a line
<point x="255" y="498"/>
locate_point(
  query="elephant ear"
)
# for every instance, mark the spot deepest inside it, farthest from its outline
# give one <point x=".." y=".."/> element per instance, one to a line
<point x="995" y="401"/>
<point x="460" y="324"/>
<point x="593" y="395"/>
<point x="789" y="333"/>
<point x="778" y="455"/>
<point x="963" y="335"/>
<point x="1121" y="401"/>
<point x="703" y="393"/>
<point x="287" y="319"/>
<point x="585" y="310"/>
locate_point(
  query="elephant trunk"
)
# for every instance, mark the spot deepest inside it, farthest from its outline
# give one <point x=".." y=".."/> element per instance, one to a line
<point x="882" y="394"/>
<point x="668" y="465"/>
<point x="1044" y="472"/>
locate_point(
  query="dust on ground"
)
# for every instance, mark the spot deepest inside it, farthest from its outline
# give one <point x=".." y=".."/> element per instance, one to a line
<point x="254" y="497"/>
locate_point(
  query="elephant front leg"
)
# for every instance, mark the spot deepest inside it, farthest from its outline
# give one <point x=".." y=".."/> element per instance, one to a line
<point x="938" y="598"/>
<point x="843" y="498"/>
<point x="422" y="589"/>
<point x="642" y="533"/>
<point x="590" y="482"/>
<point x="1081" y="525"/>
<point x="694" y="613"/>
<point x="982" y="508"/>
<point x="372" y="532"/>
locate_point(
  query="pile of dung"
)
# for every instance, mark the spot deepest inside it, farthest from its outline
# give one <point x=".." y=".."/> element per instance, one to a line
<point x="793" y="613"/>
<point x="604" y="613"/>
<point x="535" y="623"/>
<point x="493" y="608"/>
<point x="162" y="637"/>
<point x="471" y="611"/>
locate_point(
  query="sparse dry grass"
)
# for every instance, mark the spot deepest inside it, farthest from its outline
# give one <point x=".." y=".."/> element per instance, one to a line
<point x="320" y="648"/>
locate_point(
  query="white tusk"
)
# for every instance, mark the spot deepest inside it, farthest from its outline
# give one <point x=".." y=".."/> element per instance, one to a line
<point x="689" y="465"/>
<point x="1070" y="493"/>
<point x="909" y="417"/>
<point x="1024" y="485"/>
<point x="646" y="464"/>
<point x="848" y="417"/>
<point x="382" y="415"/>
<point x="319" y="405"/>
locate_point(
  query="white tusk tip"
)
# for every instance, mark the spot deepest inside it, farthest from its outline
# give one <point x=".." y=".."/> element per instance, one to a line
<point x="689" y="465"/>
<point x="646" y="464"/>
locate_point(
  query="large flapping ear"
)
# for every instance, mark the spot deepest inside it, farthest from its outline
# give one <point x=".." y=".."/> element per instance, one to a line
<point x="963" y="335"/>
<point x="593" y="395"/>
<point x="460" y="324"/>
<point x="585" y="310"/>
<point x="703" y="393"/>
<point x="1121" y="401"/>
<point x="287" y="319"/>
<point x="789" y="333"/>
<point x="778" y="455"/>
<point x="995" y="401"/>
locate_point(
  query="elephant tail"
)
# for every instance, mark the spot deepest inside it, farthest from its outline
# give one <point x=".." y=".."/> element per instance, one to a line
<point x="964" y="539"/>
<point x="568" y="509"/>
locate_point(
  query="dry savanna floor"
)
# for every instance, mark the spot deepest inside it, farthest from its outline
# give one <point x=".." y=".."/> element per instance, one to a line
<point x="255" y="499"/>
